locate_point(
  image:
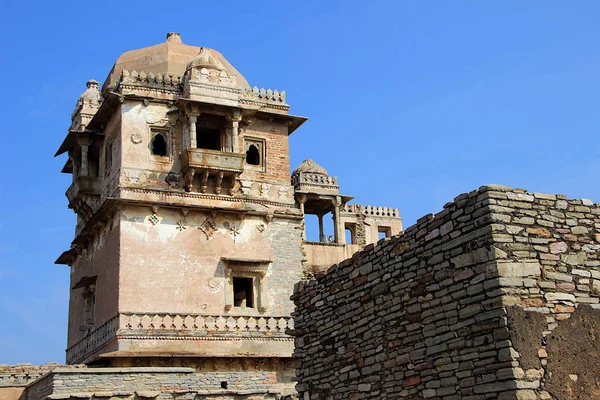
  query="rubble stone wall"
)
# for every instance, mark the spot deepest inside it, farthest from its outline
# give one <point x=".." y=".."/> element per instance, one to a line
<point x="483" y="300"/>
<point x="27" y="382"/>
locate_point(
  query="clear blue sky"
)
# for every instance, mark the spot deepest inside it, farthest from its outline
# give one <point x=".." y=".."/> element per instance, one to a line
<point x="410" y="104"/>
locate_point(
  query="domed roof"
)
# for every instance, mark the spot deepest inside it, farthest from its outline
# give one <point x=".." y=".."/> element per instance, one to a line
<point x="205" y="60"/>
<point x="309" y="166"/>
<point x="171" y="57"/>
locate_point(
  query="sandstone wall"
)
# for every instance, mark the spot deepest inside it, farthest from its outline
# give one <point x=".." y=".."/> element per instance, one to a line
<point x="27" y="382"/>
<point x="471" y="303"/>
<point x="177" y="265"/>
<point x="149" y="383"/>
<point x="15" y="378"/>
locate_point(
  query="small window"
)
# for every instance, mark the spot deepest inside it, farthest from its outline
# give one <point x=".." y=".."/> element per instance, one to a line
<point x="159" y="145"/>
<point x="89" y="306"/>
<point x="384" y="232"/>
<point x="253" y="155"/>
<point x="243" y="293"/>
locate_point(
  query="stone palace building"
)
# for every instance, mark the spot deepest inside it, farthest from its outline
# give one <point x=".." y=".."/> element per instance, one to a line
<point x="190" y="234"/>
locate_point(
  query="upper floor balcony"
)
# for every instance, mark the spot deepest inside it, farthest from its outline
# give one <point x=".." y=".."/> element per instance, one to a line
<point x="84" y="185"/>
<point x="84" y="195"/>
<point x="211" y="163"/>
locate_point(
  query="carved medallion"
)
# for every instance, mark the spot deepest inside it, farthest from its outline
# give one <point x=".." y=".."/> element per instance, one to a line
<point x="154" y="219"/>
<point x="234" y="231"/>
<point x="136" y="138"/>
<point x="208" y="227"/>
<point x="213" y="285"/>
<point x="181" y="226"/>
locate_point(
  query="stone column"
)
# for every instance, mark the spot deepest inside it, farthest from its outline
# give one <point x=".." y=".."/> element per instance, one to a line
<point x="301" y="198"/>
<point x="235" y="131"/>
<point x="321" y="234"/>
<point x="193" y="142"/>
<point x="337" y="225"/>
<point x="235" y="139"/>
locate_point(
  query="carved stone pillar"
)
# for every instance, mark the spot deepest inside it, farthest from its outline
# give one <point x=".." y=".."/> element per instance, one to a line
<point x="301" y="198"/>
<point x="193" y="141"/>
<point x="235" y="139"/>
<point x="337" y="224"/>
<point x="235" y="131"/>
<point x="321" y="233"/>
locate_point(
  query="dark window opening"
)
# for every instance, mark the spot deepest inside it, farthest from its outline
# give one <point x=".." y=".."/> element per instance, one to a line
<point x="384" y="232"/>
<point x="209" y="139"/>
<point x="243" y="294"/>
<point x="159" y="145"/>
<point x="253" y="155"/>
<point x="93" y="161"/>
<point x="89" y="306"/>
<point x="224" y="385"/>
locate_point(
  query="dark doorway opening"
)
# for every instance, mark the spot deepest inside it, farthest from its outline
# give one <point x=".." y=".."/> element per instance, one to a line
<point x="207" y="138"/>
<point x="243" y="293"/>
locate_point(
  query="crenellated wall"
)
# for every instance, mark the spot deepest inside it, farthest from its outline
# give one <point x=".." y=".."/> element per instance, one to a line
<point x="497" y="296"/>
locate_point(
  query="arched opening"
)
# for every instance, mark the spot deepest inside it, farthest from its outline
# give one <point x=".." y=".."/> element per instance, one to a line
<point x="253" y="155"/>
<point x="159" y="145"/>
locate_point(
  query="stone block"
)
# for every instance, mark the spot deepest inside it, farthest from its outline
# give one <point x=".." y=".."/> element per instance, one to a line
<point x="525" y="268"/>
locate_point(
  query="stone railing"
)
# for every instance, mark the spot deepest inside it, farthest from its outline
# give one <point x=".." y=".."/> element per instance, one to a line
<point x="93" y="340"/>
<point x="182" y="325"/>
<point x="309" y="178"/>
<point x="204" y="325"/>
<point x="371" y="210"/>
<point x="267" y="95"/>
<point x="143" y="78"/>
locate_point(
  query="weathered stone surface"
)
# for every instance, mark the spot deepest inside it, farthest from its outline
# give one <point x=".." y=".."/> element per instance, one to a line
<point x="467" y="317"/>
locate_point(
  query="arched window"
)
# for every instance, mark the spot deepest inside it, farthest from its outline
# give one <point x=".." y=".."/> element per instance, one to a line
<point x="253" y="155"/>
<point x="159" y="145"/>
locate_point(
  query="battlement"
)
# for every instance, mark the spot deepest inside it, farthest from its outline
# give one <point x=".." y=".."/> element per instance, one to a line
<point x="266" y="95"/>
<point x="371" y="210"/>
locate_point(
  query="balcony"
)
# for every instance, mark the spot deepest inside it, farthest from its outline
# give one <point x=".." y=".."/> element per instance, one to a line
<point x="209" y="163"/>
<point x="173" y="334"/>
<point x="84" y="185"/>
